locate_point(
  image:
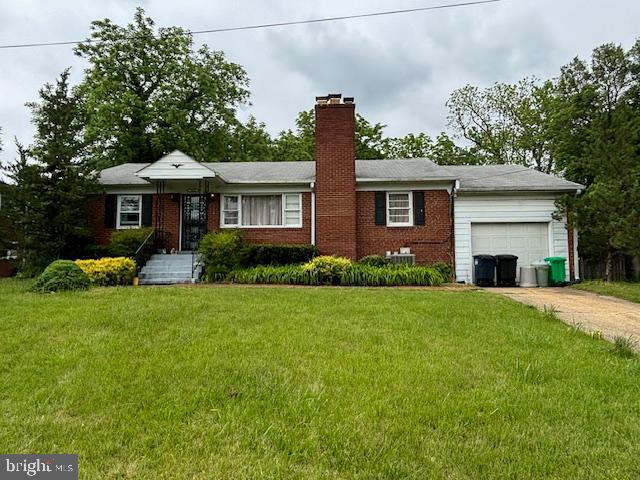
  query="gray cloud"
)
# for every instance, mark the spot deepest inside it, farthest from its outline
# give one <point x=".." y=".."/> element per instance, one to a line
<point x="401" y="69"/>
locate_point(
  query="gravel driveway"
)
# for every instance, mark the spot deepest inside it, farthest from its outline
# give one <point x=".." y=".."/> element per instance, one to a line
<point x="612" y="316"/>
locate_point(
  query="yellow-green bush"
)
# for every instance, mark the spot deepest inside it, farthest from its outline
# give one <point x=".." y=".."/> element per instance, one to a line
<point x="328" y="269"/>
<point x="109" y="271"/>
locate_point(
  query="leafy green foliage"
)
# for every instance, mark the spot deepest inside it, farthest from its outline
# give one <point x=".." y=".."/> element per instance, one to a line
<point x="220" y="252"/>
<point x="124" y="243"/>
<point x="391" y="276"/>
<point x="278" y="254"/>
<point x="59" y="276"/>
<point x="48" y="205"/>
<point x="596" y="140"/>
<point x="147" y="92"/>
<point x="337" y="271"/>
<point x="445" y="269"/>
<point x="506" y="123"/>
<point x="374" y="261"/>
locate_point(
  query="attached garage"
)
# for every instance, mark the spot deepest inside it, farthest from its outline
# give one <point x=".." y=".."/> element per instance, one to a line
<point x="522" y="225"/>
<point x="529" y="241"/>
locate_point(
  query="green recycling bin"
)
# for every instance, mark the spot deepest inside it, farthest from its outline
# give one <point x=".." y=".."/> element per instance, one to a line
<point x="557" y="272"/>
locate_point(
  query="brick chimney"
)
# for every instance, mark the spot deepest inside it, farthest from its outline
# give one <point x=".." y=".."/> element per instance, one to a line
<point x="335" y="184"/>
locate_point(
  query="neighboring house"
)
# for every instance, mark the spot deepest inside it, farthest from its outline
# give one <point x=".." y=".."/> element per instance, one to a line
<point x="345" y="206"/>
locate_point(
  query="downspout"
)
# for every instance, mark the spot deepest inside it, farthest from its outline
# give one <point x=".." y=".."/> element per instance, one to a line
<point x="454" y="193"/>
<point x="313" y="212"/>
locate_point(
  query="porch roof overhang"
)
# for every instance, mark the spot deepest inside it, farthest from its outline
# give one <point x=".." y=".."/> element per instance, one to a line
<point x="178" y="166"/>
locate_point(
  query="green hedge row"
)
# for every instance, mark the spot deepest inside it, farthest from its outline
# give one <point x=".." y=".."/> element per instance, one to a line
<point x="272" y="254"/>
<point x="356" y="275"/>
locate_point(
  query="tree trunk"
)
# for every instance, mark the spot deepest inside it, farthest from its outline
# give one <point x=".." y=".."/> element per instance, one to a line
<point x="608" y="272"/>
<point x="635" y="262"/>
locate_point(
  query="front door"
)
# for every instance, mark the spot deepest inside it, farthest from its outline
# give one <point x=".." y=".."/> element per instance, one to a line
<point x="194" y="220"/>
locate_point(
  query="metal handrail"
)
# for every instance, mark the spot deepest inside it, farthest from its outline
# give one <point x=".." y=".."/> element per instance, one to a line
<point x="144" y="242"/>
<point x="195" y="260"/>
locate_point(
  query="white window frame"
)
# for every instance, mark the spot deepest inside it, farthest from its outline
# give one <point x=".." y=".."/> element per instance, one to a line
<point x="283" y="204"/>
<point x="128" y="227"/>
<point x="400" y="224"/>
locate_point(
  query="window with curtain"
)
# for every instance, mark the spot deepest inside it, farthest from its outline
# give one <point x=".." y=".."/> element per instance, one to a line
<point x="129" y="211"/>
<point x="283" y="210"/>
<point x="399" y="209"/>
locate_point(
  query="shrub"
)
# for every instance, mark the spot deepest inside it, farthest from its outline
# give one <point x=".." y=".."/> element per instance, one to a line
<point x="374" y="261"/>
<point x="220" y="252"/>
<point x="59" y="276"/>
<point x="268" y="274"/>
<point x="355" y="275"/>
<point x="328" y="269"/>
<point x="109" y="271"/>
<point x="445" y="269"/>
<point x="268" y="254"/>
<point x="396" y="275"/>
<point x="124" y="243"/>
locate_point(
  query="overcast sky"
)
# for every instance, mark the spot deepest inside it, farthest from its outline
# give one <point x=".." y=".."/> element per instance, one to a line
<point x="400" y="69"/>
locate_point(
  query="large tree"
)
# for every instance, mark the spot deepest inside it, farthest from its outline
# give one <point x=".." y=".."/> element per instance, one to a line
<point x="506" y="123"/>
<point x="148" y="91"/>
<point x="596" y="138"/>
<point x="51" y="181"/>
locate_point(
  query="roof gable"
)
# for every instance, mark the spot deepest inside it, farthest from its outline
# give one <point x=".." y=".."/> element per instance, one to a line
<point x="176" y="166"/>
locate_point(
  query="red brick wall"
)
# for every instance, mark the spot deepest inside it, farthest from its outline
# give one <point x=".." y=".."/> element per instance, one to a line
<point x="431" y="242"/>
<point x="336" y="180"/>
<point x="102" y="235"/>
<point x="171" y="218"/>
<point x="268" y="235"/>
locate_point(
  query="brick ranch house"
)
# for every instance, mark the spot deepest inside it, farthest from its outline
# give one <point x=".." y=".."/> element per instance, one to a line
<point x="345" y="206"/>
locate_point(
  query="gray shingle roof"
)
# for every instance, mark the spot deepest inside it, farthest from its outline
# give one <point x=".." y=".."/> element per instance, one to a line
<point x="491" y="178"/>
<point x="480" y="178"/>
<point x="265" y="172"/>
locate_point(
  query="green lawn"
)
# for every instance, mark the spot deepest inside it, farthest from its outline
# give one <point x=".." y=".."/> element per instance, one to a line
<point x="310" y="383"/>
<point x="625" y="290"/>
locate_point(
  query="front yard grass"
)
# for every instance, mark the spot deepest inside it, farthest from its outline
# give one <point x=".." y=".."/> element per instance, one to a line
<point x="314" y="383"/>
<point x="625" y="290"/>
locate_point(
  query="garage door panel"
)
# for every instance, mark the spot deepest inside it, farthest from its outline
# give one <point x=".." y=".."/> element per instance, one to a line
<point x="528" y="241"/>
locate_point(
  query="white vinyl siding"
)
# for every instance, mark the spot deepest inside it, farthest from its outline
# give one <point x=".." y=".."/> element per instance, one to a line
<point x="399" y="209"/>
<point x="261" y="211"/>
<point x="514" y="209"/>
<point x="129" y="214"/>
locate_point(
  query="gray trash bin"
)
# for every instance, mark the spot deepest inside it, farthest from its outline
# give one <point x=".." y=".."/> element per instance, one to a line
<point x="528" y="276"/>
<point x="542" y="273"/>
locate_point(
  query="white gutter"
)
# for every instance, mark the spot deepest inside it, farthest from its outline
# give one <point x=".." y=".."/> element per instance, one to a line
<point x="312" y="185"/>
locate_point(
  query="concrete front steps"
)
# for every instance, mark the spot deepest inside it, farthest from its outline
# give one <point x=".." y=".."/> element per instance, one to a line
<point x="169" y="269"/>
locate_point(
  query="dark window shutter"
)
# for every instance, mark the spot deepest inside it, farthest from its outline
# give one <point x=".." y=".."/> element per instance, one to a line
<point x="381" y="208"/>
<point x="147" y="210"/>
<point x="418" y="208"/>
<point x="110" y="211"/>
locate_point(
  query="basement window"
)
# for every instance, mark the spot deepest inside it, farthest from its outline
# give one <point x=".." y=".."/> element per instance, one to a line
<point x="399" y="209"/>
<point x="256" y="211"/>
<point x="129" y="211"/>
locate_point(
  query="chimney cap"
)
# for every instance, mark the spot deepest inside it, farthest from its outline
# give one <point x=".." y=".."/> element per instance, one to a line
<point x="334" y="95"/>
<point x="348" y="99"/>
<point x="322" y="100"/>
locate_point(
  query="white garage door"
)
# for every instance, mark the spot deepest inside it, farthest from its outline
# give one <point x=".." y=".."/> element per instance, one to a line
<point x="528" y="241"/>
